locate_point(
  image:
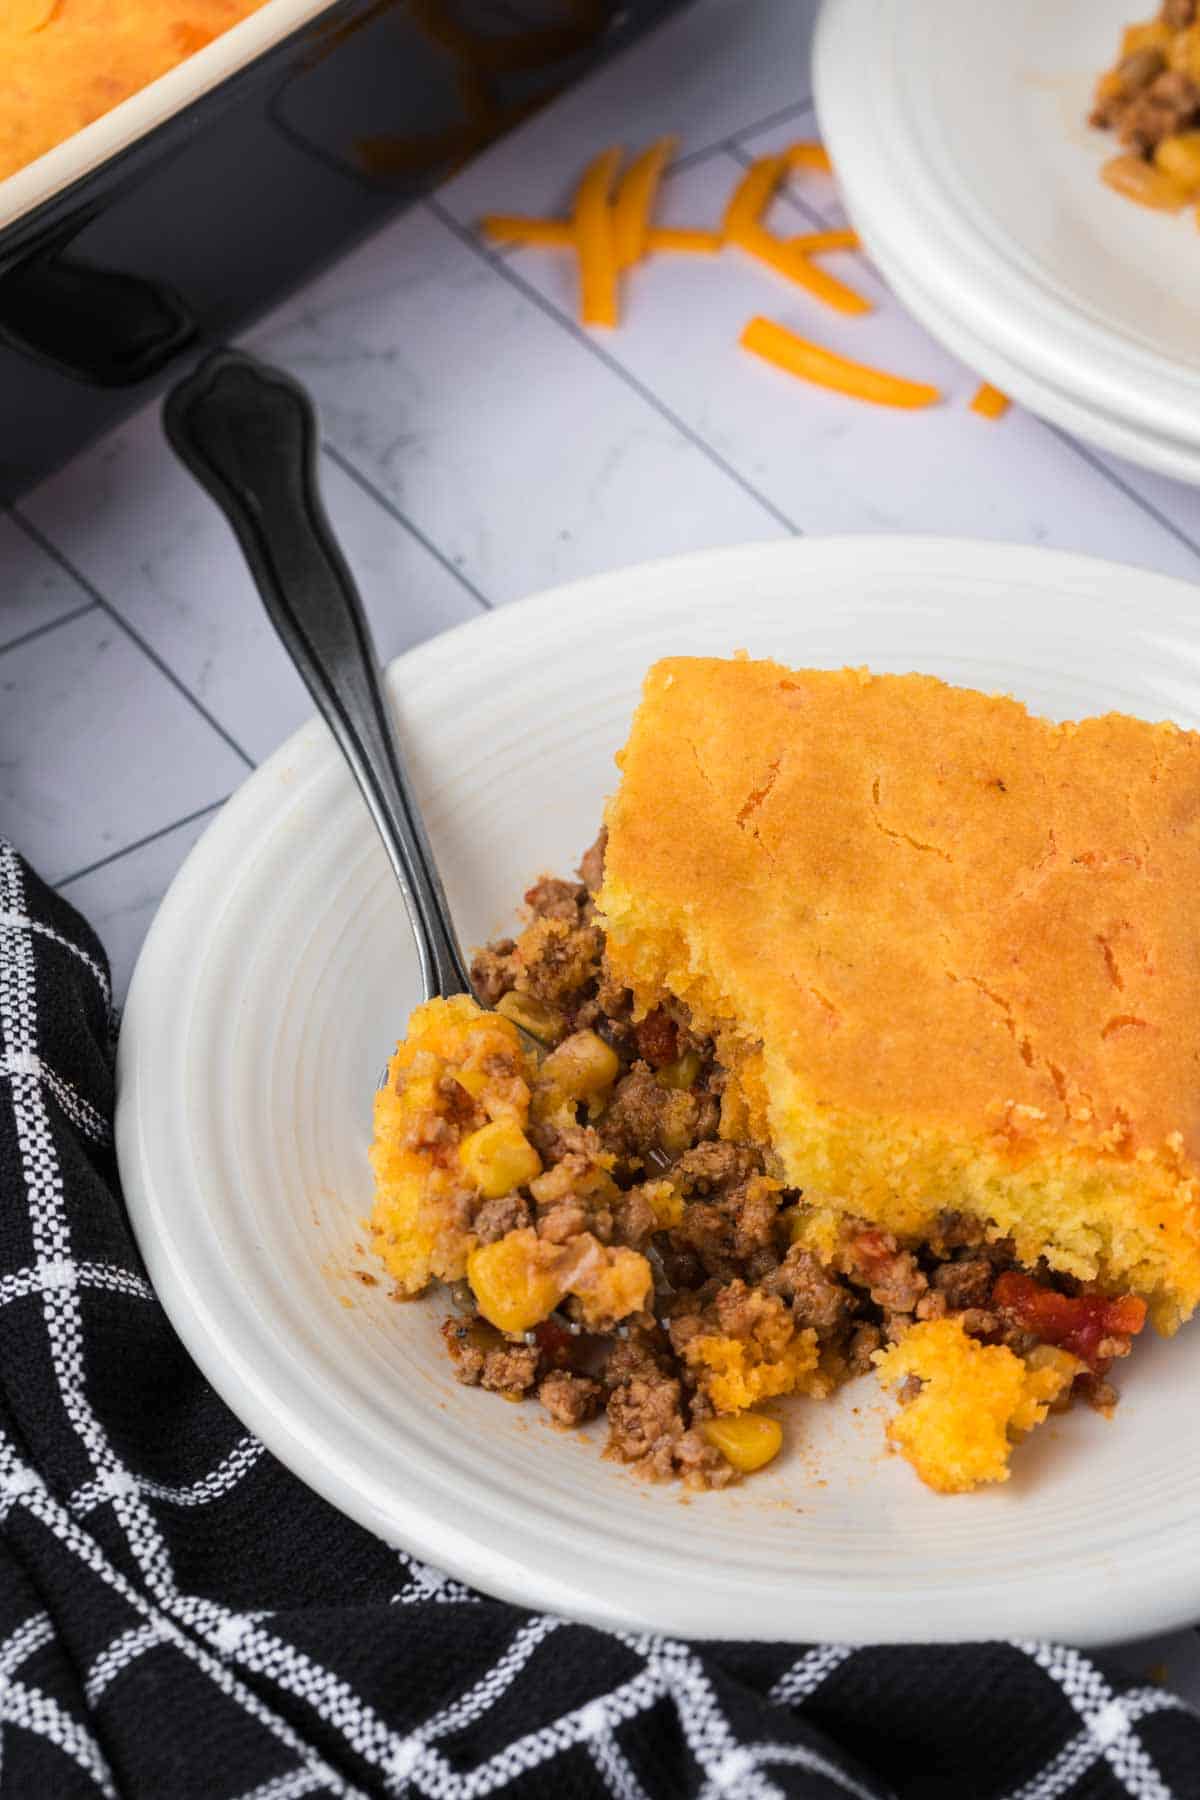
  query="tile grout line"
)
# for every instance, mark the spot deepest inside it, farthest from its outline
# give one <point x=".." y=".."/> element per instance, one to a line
<point x="151" y="837"/>
<point x="31" y="531"/>
<point x="692" y="157"/>
<point x="341" y="461"/>
<point x="37" y="631"/>
<point x="785" y="191"/>
<point x="610" y="362"/>
<point x="1088" y="456"/>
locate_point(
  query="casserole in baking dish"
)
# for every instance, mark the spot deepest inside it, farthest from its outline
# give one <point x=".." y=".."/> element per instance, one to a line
<point x="200" y="199"/>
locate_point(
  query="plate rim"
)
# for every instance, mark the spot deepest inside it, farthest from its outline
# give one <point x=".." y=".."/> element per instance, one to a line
<point x="828" y="1614"/>
<point x="997" y="297"/>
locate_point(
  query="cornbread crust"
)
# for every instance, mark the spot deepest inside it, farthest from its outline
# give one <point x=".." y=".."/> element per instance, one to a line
<point x="948" y="951"/>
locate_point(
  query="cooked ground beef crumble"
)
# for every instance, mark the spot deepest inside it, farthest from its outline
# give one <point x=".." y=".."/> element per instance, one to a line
<point x="718" y="1235"/>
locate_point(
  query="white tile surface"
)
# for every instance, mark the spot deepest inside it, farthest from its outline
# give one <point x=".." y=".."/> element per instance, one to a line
<point x="514" y="450"/>
<point x="119" y="898"/>
<point x="505" y="439"/>
<point x="704" y="75"/>
<point x="97" y="747"/>
<point x="180" y="580"/>
<point x="34" y="590"/>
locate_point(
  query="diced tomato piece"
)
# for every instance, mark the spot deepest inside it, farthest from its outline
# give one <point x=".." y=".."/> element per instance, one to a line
<point x="551" y="1338"/>
<point x="1078" y="1323"/>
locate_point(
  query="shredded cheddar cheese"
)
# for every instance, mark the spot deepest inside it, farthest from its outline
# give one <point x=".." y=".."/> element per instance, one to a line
<point x="593" y="225"/>
<point x="989" y="402"/>
<point x="809" y="155"/>
<point x="788" y="262"/>
<point x="635" y="201"/>
<point x="813" y="362"/>
<point x="612" y="228"/>
<point x="514" y="228"/>
<point x="694" y="243"/>
<point x="751" y="197"/>
<point x="813" y="243"/>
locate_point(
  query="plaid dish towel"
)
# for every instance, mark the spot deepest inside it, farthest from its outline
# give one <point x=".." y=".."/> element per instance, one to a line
<point x="180" y="1617"/>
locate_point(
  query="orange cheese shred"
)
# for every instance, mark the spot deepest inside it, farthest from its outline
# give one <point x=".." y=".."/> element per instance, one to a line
<point x="808" y="155"/>
<point x="592" y="223"/>
<point x="751" y="196"/>
<point x="989" y="402"/>
<point x="693" y="243"/>
<point x="788" y="262"/>
<point x="514" y="228"/>
<point x="635" y="201"/>
<point x="814" y="243"/>
<point x="813" y="362"/>
<point x="559" y="234"/>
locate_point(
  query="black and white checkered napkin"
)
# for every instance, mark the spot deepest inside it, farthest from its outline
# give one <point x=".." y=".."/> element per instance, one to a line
<point x="180" y="1617"/>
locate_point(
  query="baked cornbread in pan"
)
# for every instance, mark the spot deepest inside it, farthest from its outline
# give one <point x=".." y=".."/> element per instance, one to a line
<point x="948" y="952"/>
<point x="64" y="63"/>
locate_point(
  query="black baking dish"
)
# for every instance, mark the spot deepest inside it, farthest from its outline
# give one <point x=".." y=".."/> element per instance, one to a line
<point x="203" y="199"/>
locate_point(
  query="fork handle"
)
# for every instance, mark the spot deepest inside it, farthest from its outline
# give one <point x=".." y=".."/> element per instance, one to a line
<point x="249" y="435"/>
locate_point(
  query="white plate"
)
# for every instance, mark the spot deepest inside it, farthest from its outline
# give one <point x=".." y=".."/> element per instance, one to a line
<point x="279" y="971"/>
<point x="958" y="129"/>
<point x="1121" y="437"/>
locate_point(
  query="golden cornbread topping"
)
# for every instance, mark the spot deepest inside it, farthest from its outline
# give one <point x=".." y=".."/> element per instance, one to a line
<point x="64" y="63"/>
<point x="870" y="1028"/>
<point x="945" y="948"/>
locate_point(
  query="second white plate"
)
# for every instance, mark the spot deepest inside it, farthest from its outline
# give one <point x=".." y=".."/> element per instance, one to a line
<point x="280" y="970"/>
<point x="959" y="133"/>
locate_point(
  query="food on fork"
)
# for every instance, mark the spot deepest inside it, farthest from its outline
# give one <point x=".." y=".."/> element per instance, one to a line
<point x="872" y="1028"/>
<point x="1151" y="99"/>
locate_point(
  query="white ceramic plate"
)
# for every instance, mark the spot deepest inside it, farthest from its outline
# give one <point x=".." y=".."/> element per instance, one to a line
<point x="959" y="132"/>
<point x="279" y="972"/>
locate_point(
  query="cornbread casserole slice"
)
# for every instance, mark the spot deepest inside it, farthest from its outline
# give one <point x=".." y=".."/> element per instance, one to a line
<point x="871" y="1028"/>
<point x="947" y="951"/>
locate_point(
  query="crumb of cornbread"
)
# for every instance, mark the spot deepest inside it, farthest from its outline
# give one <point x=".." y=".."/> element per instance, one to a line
<point x="948" y="950"/>
<point x="977" y="1400"/>
<point x="428" y="1178"/>
<point x="421" y="1216"/>
<point x="64" y="63"/>
<point x="737" y="1373"/>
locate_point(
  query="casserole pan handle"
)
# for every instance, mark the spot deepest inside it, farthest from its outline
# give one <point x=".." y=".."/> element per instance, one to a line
<point x="97" y="325"/>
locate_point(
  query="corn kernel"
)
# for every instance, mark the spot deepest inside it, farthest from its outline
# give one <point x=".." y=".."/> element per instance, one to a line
<point x="511" y="1289"/>
<point x="546" y="1023"/>
<point x="1143" y="182"/>
<point x="667" y="1203"/>
<point x="1179" y="157"/>
<point x="498" y="1158"/>
<point x="682" y="1073"/>
<point x="748" y="1442"/>
<point x="582" y="1067"/>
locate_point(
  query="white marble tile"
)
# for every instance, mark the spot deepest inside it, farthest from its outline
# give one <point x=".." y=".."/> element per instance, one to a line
<point x="34" y="590"/>
<point x="829" y="463"/>
<point x="97" y="747"/>
<point x="141" y="529"/>
<point x="508" y="442"/>
<point x="1175" y="501"/>
<point x="708" y="73"/>
<point x="120" y="898"/>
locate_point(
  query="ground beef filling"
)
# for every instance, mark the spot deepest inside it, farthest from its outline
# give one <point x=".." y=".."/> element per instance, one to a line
<point x="725" y="1260"/>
